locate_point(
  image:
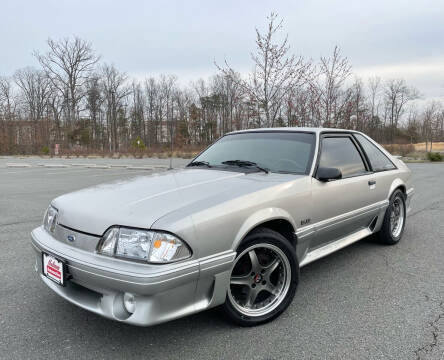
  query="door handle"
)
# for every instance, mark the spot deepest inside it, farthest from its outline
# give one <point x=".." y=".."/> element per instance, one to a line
<point x="371" y="182"/>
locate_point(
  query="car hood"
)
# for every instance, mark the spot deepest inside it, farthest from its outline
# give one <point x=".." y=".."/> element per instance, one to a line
<point x="140" y="201"/>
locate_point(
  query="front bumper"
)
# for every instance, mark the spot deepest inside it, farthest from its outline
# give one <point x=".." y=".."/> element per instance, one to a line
<point x="162" y="292"/>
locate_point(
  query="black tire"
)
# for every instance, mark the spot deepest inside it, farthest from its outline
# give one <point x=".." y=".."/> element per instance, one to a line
<point x="270" y="237"/>
<point x="385" y="235"/>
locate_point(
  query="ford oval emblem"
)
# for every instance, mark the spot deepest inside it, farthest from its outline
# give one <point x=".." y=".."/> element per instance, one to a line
<point x="71" y="238"/>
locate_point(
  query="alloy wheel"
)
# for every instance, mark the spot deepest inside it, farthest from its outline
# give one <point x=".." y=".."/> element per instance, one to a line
<point x="260" y="279"/>
<point x="397" y="217"/>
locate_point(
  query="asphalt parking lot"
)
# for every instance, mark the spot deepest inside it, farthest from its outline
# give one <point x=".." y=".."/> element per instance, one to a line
<point x="364" y="302"/>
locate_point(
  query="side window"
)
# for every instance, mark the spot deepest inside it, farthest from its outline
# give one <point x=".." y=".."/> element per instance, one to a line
<point x="341" y="153"/>
<point x="378" y="160"/>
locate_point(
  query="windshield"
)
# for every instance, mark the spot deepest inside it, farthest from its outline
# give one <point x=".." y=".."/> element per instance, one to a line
<point x="282" y="152"/>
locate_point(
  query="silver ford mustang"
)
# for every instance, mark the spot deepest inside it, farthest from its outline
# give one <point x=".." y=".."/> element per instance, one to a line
<point x="233" y="228"/>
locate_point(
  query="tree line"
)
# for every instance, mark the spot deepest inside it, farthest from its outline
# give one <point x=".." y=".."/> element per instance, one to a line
<point x="76" y="100"/>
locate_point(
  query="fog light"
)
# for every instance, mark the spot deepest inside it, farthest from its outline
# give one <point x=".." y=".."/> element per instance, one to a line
<point x="129" y="302"/>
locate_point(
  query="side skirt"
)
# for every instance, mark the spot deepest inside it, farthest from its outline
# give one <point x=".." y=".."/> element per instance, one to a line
<point x="325" y="250"/>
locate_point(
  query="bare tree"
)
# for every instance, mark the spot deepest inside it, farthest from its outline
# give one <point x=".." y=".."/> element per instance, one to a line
<point x="430" y="122"/>
<point x="333" y="72"/>
<point x="276" y="72"/>
<point x="137" y="108"/>
<point x="56" y="103"/>
<point x="440" y="125"/>
<point x="203" y="92"/>
<point x="114" y="90"/>
<point x="396" y="95"/>
<point x="7" y="114"/>
<point x="94" y="100"/>
<point x="413" y="125"/>
<point x="229" y="95"/>
<point x="374" y="89"/>
<point x="35" y="88"/>
<point x="73" y="100"/>
<point x="183" y="100"/>
<point x="151" y="100"/>
<point x="68" y="64"/>
<point x="168" y="91"/>
<point x="7" y="98"/>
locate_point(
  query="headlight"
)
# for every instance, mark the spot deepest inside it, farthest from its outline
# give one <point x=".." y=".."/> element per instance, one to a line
<point x="145" y="245"/>
<point x="50" y="219"/>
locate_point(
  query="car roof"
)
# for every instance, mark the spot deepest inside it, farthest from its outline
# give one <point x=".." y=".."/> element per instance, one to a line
<point x="292" y="129"/>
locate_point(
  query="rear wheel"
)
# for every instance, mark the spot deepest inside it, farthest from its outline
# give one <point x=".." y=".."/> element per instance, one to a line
<point x="263" y="279"/>
<point x="394" y="219"/>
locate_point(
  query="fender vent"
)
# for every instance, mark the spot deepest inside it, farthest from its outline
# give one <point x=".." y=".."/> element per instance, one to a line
<point x="373" y="223"/>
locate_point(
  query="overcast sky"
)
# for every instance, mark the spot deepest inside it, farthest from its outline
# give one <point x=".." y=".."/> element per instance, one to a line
<point x="390" y="38"/>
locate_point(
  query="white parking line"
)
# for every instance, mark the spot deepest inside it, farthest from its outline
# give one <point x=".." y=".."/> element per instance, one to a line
<point x="126" y="174"/>
<point x="119" y="165"/>
<point x="43" y="170"/>
<point x="75" y="171"/>
<point x="47" y="171"/>
<point x="98" y="166"/>
<point x="140" y="167"/>
<point x="53" y="165"/>
<point x="18" y="165"/>
<point x="23" y="171"/>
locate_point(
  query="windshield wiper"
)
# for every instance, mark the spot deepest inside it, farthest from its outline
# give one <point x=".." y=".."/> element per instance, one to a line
<point x="245" y="163"/>
<point x="199" y="163"/>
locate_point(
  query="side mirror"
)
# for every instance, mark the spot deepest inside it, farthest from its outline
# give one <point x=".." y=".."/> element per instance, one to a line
<point x="326" y="174"/>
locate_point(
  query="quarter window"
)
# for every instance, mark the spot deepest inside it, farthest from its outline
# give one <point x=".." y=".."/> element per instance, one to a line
<point x="341" y="153"/>
<point x="378" y="160"/>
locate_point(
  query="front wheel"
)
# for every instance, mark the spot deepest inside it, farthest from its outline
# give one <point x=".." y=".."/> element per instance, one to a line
<point x="263" y="279"/>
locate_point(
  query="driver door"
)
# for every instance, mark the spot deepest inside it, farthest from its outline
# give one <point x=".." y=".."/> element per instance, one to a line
<point x="342" y="206"/>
